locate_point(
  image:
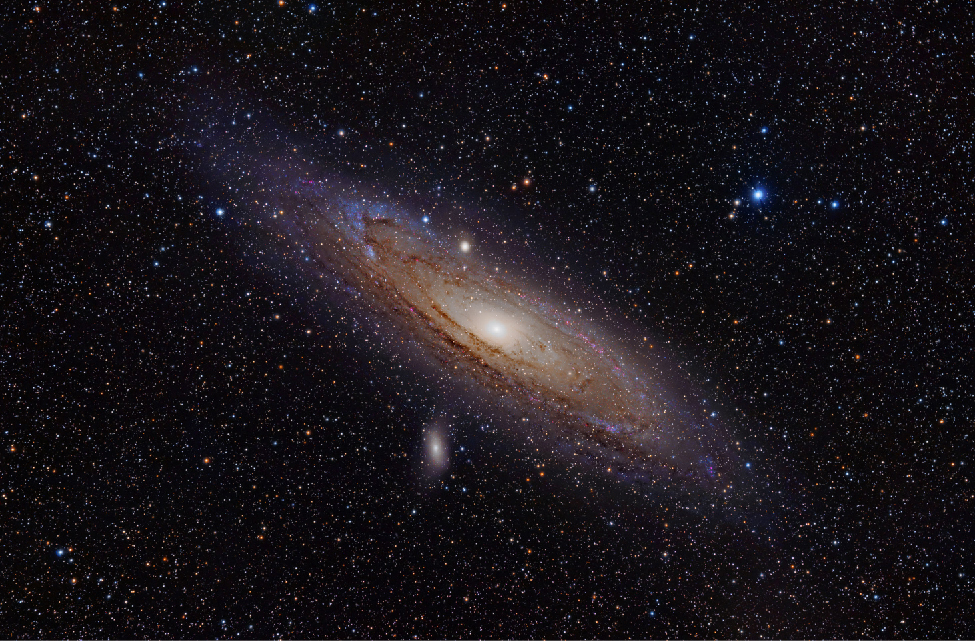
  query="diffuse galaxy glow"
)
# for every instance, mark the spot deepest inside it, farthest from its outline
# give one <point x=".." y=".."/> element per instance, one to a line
<point x="602" y="403"/>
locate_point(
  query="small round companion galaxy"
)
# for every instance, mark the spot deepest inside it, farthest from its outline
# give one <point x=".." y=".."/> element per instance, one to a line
<point x="486" y="320"/>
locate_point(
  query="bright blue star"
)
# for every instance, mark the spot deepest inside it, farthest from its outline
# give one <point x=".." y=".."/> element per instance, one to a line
<point x="944" y="222"/>
<point x="835" y="204"/>
<point x="764" y="130"/>
<point x="758" y="194"/>
<point x="220" y="212"/>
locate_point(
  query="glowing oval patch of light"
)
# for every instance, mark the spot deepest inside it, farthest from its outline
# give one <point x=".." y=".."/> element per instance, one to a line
<point x="436" y="454"/>
<point x="502" y="336"/>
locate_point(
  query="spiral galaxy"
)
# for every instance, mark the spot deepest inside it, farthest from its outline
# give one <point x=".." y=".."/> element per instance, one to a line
<point x="603" y="403"/>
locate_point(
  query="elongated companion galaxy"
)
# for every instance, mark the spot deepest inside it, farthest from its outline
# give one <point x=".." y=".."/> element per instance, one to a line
<point x="486" y="320"/>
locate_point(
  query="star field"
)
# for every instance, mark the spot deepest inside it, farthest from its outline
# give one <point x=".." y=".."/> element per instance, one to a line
<point x="200" y="440"/>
